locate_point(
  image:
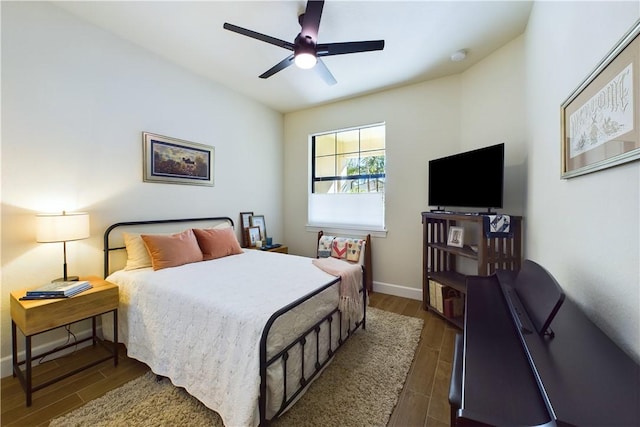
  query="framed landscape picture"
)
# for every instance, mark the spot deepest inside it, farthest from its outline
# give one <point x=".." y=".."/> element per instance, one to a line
<point x="600" y="122"/>
<point x="174" y="161"/>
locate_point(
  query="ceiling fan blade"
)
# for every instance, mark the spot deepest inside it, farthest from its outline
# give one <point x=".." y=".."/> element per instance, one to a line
<point x="278" y="67"/>
<point x="329" y="49"/>
<point x="311" y="20"/>
<point x="258" y="36"/>
<point x="324" y="72"/>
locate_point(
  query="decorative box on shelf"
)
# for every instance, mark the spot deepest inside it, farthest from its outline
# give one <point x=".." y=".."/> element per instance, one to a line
<point x="445" y="299"/>
<point x="453" y="304"/>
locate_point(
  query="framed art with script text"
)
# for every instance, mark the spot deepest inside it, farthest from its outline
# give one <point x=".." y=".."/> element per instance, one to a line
<point x="600" y="119"/>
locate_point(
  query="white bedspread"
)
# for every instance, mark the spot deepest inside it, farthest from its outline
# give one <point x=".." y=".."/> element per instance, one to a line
<point x="200" y="324"/>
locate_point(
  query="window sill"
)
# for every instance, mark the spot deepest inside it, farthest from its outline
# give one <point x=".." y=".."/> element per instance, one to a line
<point x="347" y="229"/>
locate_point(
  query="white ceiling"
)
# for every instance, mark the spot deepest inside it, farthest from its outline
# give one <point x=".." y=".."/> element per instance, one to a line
<point x="420" y="37"/>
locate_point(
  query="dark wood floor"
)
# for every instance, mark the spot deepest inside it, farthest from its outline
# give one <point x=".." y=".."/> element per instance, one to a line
<point x="423" y="401"/>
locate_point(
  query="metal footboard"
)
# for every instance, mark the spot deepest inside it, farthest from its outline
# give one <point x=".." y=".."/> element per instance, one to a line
<point x="309" y="337"/>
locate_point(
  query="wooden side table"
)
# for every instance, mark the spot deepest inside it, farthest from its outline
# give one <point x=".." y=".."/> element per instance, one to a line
<point x="33" y="317"/>
<point x="281" y="249"/>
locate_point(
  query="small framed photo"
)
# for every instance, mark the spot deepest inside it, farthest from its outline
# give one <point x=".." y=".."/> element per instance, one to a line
<point x="253" y="235"/>
<point x="245" y="222"/>
<point x="174" y="161"/>
<point x="456" y="237"/>
<point x="258" y="221"/>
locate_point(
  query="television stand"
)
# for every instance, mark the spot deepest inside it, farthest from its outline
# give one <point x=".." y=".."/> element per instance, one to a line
<point x="440" y="271"/>
<point x="444" y="211"/>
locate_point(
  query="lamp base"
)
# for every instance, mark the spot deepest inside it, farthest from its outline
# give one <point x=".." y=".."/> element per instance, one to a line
<point x="69" y="279"/>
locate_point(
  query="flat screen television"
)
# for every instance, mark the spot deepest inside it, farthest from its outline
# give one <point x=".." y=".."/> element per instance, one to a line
<point x="473" y="179"/>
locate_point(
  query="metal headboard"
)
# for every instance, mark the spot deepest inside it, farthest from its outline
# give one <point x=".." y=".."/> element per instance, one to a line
<point x="108" y="249"/>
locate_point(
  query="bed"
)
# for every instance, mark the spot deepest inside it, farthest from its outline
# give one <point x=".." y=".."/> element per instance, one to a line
<point x="245" y="334"/>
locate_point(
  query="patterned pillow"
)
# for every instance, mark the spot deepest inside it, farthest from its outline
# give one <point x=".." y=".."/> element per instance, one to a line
<point x="353" y="249"/>
<point x="324" y="246"/>
<point x="339" y="247"/>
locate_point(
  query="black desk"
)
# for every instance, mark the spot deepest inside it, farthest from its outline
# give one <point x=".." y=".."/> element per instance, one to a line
<point x="579" y="377"/>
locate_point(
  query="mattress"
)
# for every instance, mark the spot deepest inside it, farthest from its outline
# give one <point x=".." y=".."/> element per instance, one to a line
<point x="200" y="325"/>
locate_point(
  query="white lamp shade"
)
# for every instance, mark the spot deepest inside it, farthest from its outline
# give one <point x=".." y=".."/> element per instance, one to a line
<point x="62" y="227"/>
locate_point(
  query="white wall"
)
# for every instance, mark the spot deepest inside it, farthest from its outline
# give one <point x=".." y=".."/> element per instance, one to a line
<point x="483" y="106"/>
<point x="493" y="111"/>
<point x="584" y="230"/>
<point x="75" y="101"/>
<point x="422" y="121"/>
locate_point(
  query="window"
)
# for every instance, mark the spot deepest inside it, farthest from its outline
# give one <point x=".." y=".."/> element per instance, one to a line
<point x="348" y="178"/>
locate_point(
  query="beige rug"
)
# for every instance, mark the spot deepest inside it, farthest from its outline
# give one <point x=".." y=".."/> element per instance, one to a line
<point x="359" y="388"/>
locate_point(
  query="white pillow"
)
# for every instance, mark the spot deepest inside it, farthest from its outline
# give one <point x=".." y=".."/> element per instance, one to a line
<point x="221" y="226"/>
<point x="137" y="253"/>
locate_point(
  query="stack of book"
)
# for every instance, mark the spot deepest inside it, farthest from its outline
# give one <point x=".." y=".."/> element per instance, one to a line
<point x="58" y="290"/>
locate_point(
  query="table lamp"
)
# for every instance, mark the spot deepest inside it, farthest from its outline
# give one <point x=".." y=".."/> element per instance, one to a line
<point x="63" y="228"/>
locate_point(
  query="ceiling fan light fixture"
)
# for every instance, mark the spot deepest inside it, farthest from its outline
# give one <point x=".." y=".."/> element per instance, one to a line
<point x="305" y="60"/>
<point x="305" y="47"/>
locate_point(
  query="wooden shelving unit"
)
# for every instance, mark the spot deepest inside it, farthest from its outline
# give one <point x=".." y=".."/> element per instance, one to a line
<point x="439" y="259"/>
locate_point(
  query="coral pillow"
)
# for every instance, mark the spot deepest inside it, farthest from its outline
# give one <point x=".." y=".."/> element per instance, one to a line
<point x="217" y="242"/>
<point x="173" y="250"/>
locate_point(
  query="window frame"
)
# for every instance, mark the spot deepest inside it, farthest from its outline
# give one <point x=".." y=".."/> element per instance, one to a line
<point x="335" y="227"/>
<point x="336" y="178"/>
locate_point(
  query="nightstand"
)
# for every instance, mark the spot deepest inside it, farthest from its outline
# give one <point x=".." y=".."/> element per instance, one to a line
<point x="281" y="249"/>
<point x="33" y="317"/>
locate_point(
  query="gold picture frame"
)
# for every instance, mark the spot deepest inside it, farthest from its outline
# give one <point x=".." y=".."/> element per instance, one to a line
<point x="600" y="123"/>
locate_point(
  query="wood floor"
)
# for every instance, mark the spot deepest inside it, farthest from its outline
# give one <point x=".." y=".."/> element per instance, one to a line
<point x="423" y="401"/>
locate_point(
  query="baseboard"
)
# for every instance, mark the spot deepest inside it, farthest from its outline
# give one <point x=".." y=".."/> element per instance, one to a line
<point x="397" y="290"/>
<point x="6" y="368"/>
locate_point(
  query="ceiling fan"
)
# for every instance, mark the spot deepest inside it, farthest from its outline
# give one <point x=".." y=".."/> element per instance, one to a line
<point x="306" y="50"/>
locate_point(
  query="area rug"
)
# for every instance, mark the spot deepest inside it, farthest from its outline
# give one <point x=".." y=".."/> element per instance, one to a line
<point x="359" y="388"/>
